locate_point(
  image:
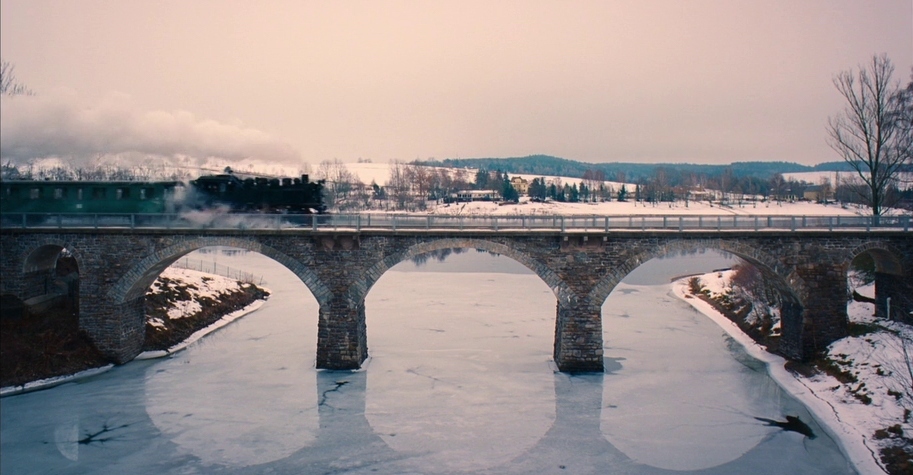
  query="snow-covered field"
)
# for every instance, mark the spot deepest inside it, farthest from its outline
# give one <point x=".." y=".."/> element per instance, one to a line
<point x="855" y="410"/>
<point x="628" y="208"/>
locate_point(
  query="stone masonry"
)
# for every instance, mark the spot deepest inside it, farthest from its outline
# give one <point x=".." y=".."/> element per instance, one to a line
<point x="117" y="266"/>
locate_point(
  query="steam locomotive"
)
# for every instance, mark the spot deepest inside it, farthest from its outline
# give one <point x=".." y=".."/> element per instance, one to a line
<point x="223" y="192"/>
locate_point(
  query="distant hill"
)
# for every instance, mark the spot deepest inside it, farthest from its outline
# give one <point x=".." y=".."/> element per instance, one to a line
<point x="555" y="166"/>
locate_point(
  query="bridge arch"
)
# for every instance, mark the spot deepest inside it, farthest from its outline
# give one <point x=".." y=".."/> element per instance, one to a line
<point x="891" y="267"/>
<point x="790" y="285"/>
<point x="887" y="259"/>
<point x="134" y="283"/>
<point x="362" y="286"/>
<point x="43" y="255"/>
<point x="39" y="265"/>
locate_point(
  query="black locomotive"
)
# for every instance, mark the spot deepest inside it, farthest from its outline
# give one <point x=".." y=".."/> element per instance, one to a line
<point x="259" y="195"/>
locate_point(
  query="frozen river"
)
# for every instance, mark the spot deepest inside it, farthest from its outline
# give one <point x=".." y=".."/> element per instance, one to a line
<point x="459" y="381"/>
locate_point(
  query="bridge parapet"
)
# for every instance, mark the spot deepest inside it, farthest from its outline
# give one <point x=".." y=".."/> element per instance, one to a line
<point x="452" y="223"/>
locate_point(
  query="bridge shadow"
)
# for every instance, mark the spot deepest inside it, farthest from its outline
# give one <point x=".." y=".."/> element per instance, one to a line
<point x="574" y="443"/>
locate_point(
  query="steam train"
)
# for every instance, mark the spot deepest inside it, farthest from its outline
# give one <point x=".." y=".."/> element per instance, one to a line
<point x="223" y="192"/>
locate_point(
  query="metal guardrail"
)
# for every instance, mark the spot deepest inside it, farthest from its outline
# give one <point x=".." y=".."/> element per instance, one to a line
<point x="410" y="222"/>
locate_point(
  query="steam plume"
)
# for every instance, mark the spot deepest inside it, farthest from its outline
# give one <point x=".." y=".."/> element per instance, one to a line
<point x="61" y="125"/>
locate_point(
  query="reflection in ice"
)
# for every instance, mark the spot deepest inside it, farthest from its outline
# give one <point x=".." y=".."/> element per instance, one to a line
<point x="237" y="397"/>
<point x="437" y="388"/>
<point x="678" y="401"/>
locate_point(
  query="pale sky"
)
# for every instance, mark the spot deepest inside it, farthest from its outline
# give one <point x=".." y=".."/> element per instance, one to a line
<point x="700" y="81"/>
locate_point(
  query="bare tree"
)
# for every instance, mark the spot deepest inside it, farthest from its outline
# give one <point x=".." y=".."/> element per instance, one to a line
<point x="9" y="85"/>
<point x="420" y="179"/>
<point x="339" y="181"/>
<point x="868" y="135"/>
<point x="904" y="115"/>
<point x="398" y="186"/>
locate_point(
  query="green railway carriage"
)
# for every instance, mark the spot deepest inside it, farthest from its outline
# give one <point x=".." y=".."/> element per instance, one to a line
<point x="21" y="196"/>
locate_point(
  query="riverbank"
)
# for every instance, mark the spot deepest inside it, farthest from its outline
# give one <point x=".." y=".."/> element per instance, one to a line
<point x="181" y="306"/>
<point x="859" y="390"/>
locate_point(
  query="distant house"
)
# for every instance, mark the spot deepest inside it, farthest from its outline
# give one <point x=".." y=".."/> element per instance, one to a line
<point x="476" y="195"/>
<point x="818" y="193"/>
<point x="520" y="184"/>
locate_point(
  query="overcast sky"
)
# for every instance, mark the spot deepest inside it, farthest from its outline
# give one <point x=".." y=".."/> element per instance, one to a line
<point x="710" y="81"/>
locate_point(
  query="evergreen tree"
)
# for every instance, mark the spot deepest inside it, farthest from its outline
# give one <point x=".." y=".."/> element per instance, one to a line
<point x="482" y="179"/>
<point x="508" y="192"/>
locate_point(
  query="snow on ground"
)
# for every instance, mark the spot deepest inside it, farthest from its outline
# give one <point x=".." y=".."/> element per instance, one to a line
<point x="852" y="411"/>
<point x="628" y="208"/>
<point x="202" y="285"/>
<point x="380" y="172"/>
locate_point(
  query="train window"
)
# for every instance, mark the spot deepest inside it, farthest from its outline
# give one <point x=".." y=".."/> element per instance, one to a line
<point x="98" y="193"/>
<point x="146" y="193"/>
<point x="122" y="193"/>
<point x="79" y="194"/>
<point x="60" y="193"/>
<point x="34" y="193"/>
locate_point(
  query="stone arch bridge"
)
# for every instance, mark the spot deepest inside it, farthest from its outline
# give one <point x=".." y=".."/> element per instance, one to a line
<point x="116" y="266"/>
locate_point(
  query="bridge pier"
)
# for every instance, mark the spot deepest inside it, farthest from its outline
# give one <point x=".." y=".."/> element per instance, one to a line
<point x="117" y="330"/>
<point x="578" y="336"/>
<point x="901" y="295"/>
<point x="809" y="329"/>
<point x="341" y="334"/>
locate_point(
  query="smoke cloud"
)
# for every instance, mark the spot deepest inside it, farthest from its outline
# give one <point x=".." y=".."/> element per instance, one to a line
<point x="63" y="126"/>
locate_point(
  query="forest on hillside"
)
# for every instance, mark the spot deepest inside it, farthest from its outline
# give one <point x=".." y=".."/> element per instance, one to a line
<point x="546" y="165"/>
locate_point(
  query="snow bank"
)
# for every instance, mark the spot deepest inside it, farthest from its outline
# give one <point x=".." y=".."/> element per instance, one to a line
<point x="834" y="405"/>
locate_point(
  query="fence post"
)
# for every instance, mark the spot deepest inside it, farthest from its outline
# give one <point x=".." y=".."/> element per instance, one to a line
<point x="358" y="223"/>
<point x="665" y="218"/>
<point x="393" y="222"/>
<point x="680" y="224"/>
<point x="793" y="222"/>
<point x="562" y="224"/>
<point x="606" y="224"/>
<point x="756" y="223"/>
<point x="719" y="223"/>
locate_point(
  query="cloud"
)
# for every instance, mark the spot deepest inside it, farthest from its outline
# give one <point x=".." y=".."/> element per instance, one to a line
<point x="62" y="125"/>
